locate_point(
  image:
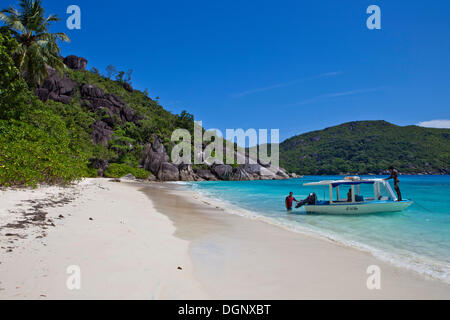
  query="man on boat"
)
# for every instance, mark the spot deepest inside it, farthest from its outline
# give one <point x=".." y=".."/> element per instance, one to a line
<point x="289" y="199"/>
<point x="311" y="199"/>
<point x="394" y="175"/>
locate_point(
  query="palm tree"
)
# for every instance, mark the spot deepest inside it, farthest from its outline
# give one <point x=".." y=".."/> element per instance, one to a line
<point x="37" y="48"/>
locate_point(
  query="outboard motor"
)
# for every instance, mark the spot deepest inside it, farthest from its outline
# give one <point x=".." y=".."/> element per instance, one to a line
<point x="311" y="199"/>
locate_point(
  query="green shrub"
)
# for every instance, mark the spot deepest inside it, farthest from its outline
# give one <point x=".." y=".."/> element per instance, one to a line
<point x="118" y="170"/>
<point x="91" y="173"/>
<point x="30" y="155"/>
<point x="36" y="145"/>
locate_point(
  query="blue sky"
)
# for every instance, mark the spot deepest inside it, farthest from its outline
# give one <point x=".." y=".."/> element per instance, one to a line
<point x="293" y="65"/>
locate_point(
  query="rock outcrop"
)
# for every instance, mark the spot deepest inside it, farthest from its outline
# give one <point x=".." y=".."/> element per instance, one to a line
<point x="101" y="133"/>
<point x="75" y="63"/>
<point x="186" y="172"/>
<point x="222" y="171"/>
<point x="128" y="87"/>
<point x="59" y="87"/>
<point x="282" y="173"/>
<point x="111" y="106"/>
<point x="253" y="170"/>
<point x="206" y="174"/>
<point x="56" y="87"/>
<point x="168" y="172"/>
<point x="156" y="161"/>
<point x="111" y="111"/>
<point x="239" y="174"/>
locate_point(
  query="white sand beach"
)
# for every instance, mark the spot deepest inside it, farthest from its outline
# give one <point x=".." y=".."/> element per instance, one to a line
<point x="127" y="250"/>
<point x="135" y="241"/>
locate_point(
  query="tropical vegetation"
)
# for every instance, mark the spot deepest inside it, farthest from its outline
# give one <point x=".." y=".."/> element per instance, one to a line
<point x="45" y="141"/>
<point x="50" y="142"/>
<point x="35" y="142"/>
<point x="367" y="147"/>
<point x="36" y="47"/>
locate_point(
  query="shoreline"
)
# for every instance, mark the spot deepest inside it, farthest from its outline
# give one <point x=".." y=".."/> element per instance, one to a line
<point x="423" y="266"/>
<point x="213" y="230"/>
<point x="158" y="241"/>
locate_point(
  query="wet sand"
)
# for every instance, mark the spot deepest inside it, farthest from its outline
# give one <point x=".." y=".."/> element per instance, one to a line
<point x="239" y="258"/>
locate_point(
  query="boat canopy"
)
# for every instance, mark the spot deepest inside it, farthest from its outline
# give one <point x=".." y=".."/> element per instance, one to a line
<point x="352" y="182"/>
<point x="336" y="183"/>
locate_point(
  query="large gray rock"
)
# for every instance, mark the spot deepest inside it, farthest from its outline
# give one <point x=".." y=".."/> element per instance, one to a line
<point x="61" y="98"/>
<point x="186" y="172"/>
<point x="56" y="87"/>
<point x="128" y="87"/>
<point x="152" y="160"/>
<point x="222" y="171"/>
<point x="108" y="104"/>
<point x="168" y="172"/>
<point x="107" y="116"/>
<point x="157" y="145"/>
<point x="127" y="114"/>
<point x="206" y="174"/>
<point x="282" y="173"/>
<point x="75" y="63"/>
<point x="154" y="157"/>
<point x="252" y="169"/>
<point x="239" y="174"/>
<point x="90" y="91"/>
<point x="101" y="133"/>
<point x="42" y="94"/>
<point x="265" y="165"/>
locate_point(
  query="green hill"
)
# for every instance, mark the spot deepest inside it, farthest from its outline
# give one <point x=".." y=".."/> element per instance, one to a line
<point x="368" y="147"/>
<point x="74" y="124"/>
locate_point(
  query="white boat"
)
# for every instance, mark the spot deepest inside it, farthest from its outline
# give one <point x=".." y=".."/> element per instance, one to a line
<point x="383" y="199"/>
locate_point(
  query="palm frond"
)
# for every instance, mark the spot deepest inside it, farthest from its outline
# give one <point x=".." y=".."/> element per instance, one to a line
<point x="12" y="22"/>
<point x="3" y="17"/>
<point x="11" y="11"/>
<point x="52" y="18"/>
<point x="37" y="47"/>
<point x="61" y="36"/>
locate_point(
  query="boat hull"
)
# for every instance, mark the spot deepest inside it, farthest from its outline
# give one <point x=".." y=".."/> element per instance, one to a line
<point x="359" y="208"/>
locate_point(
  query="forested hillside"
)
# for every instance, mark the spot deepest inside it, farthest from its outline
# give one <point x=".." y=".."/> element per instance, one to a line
<point x="368" y="147"/>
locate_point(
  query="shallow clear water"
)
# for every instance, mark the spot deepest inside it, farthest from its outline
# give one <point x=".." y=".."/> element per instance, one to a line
<point x="417" y="238"/>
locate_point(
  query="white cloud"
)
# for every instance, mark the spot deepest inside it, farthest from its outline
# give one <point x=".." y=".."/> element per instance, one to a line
<point x="286" y="84"/>
<point x="334" y="95"/>
<point x="440" y="123"/>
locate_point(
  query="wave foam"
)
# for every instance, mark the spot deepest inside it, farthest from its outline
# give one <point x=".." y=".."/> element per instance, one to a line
<point x="422" y="265"/>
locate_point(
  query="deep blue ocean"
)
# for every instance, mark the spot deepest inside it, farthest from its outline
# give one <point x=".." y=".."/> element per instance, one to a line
<point x="417" y="238"/>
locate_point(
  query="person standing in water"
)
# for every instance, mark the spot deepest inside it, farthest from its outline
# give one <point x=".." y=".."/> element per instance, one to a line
<point x="289" y="199"/>
<point x="394" y="175"/>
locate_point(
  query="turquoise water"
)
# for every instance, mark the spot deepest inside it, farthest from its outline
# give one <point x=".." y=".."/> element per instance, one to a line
<point x="417" y="238"/>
